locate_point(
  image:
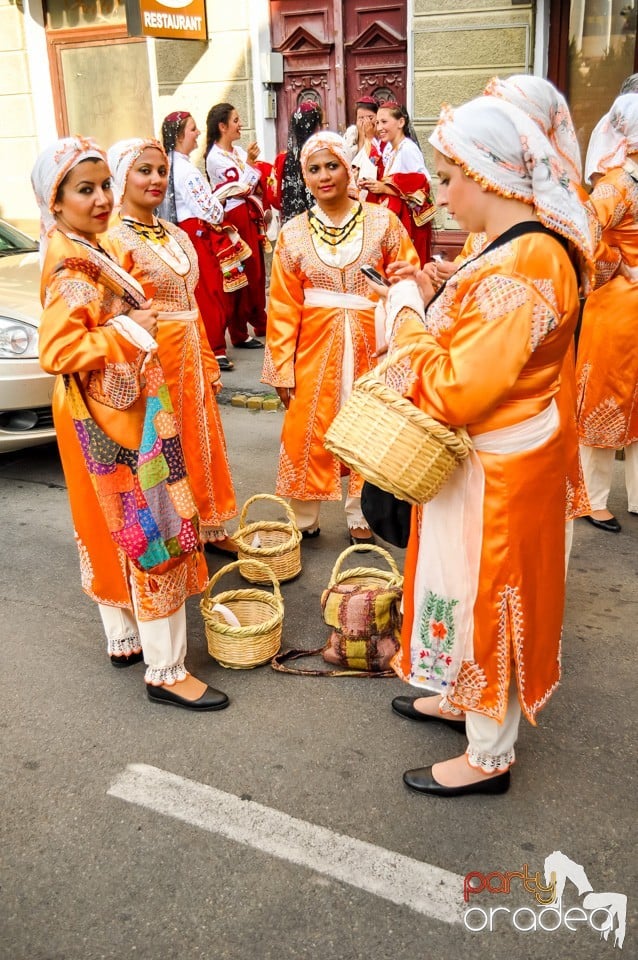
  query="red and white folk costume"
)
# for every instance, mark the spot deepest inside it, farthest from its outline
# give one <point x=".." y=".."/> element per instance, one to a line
<point x="162" y="259"/>
<point x="403" y="170"/>
<point x="607" y="367"/>
<point x="484" y="576"/>
<point x="238" y="183"/>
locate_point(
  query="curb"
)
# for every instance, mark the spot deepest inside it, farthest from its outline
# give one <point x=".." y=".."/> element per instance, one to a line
<point x="250" y="401"/>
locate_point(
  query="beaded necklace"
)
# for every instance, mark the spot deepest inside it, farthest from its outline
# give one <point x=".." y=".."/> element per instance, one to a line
<point x="331" y="236"/>
<point x="162" y="242"/>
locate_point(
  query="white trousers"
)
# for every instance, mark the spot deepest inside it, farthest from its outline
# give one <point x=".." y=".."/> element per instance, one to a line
<point x="307" y="513"/>
<point x="598" y="467"/>
<point x="162" y="641"/>
<point x="490" y="743"/>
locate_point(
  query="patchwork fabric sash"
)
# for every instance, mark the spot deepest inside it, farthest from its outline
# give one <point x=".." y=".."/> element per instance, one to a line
<point x="144" y="494"/>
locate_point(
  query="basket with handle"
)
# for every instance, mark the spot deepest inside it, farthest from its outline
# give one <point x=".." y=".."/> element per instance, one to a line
<point x="271" y="542"/>
<point x="366" y="577"/>
<point x="260" y="615"/>
<point x="390" y="442"/>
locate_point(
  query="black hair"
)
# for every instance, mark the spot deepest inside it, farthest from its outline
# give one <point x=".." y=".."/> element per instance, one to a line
<point x="61" y="185"/>
<point x="220" y="113"/>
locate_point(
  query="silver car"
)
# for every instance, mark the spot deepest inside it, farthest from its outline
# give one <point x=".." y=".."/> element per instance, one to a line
<point x="25" y="389"/>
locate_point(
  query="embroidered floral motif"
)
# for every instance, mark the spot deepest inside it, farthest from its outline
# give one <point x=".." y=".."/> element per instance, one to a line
<point x="547" y="291"/>
<point x="605" y="426"/>
<point x="287" y="475"/>
<point x="401" y="376"/>
<point x="470" y="683"/>
<point x="436" y="636"/>
<point x="86" y="567"/>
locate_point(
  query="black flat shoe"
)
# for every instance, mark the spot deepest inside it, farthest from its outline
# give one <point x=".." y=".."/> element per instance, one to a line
<point x="611" y="525"/>
<point x="404" y="707"/>
<point x="362" y="541"/>
<point x="210" y="699"/>
<point x="225" y="364"/>
<point x="251" y="344"/>
<point x="127" y="660"/>
<point x="422" y="781"/>
<point x="310" y="534"/>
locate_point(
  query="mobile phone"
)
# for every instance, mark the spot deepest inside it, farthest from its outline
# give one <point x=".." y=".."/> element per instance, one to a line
<point x="374" y="275"/>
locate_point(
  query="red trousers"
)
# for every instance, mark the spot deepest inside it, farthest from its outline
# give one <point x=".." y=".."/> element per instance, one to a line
<point x="214" y="304"/>
<point x="248" y="305"/>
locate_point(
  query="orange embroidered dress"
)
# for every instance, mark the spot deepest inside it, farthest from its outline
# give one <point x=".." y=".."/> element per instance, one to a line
<point x="163" y="260"/>
<point x="73" y="338"/>
<point x="607" y="364"/>
<point x="305" y="343"/>
<point x="511" y="315"/>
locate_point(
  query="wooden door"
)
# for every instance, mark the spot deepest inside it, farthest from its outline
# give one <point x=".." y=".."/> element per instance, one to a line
<point x="335" y="51"/>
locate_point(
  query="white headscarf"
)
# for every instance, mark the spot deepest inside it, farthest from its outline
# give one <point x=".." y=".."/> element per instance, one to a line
<point x="326" y="140"/>
<point x="499" y="146"/>
<point x="51" y="168"/>
<point x="543" y="103"/>
<point x="121" y="157"/>
<point x="614" y="136"/>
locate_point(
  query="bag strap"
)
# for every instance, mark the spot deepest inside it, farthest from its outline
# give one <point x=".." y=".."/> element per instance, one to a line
<point x="279" y="660"/>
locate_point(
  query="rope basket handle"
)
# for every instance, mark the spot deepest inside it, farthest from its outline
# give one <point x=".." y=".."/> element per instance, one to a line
<point x="235" y="565"/>
<point x="274" y="499"/>
<point x="458" y="440"/>
<point x="363" y="549"/>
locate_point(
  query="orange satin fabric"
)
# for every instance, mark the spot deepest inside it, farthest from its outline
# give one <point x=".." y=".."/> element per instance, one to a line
<point x="190" y="368"/>
<point x="73" y="338"/>
<point x="492" y="357"/>
<point x="304" y="345"/>
<point x="607" y="365"/>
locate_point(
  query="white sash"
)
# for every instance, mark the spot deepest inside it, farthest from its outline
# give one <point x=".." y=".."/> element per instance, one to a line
<point x="449" y="557"/>
<point x="314" y="297"/>
<point x="188" y="316"/>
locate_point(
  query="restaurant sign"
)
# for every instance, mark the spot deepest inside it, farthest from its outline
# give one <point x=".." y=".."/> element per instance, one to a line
<point x="169" y="19"/>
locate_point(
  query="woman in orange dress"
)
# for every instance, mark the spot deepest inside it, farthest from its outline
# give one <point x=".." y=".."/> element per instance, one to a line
<point x="162" y="259"/>
<point x="403" y="183"/>
<point x="607" y="363"/>
<point x="321" y="325"/>
<point x="484" y="577"/>
<point x="90" y="333"/>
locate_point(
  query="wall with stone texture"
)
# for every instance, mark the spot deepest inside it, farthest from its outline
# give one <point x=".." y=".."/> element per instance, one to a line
<point x="18" y="143"/>
<point x="458" y="47"/>
<point x="194" y="76"/>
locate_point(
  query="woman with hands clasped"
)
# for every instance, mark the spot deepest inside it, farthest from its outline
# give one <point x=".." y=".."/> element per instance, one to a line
<point x="321" y="325"/>
<point x="104" y="347"/>
<point x="484" y="574"/>
<point x="161" y="257"/>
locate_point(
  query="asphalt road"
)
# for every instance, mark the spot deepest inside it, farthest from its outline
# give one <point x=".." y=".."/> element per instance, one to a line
<point x="86" y="874"/>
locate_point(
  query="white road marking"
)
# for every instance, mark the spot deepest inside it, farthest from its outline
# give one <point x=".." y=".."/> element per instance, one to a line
<point x="421" y="887"/>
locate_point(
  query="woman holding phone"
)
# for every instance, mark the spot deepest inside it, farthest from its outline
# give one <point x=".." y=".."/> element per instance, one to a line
<point x="321" y="325"/>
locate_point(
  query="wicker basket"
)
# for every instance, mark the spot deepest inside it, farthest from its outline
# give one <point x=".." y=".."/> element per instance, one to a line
<point x="392" y="443"/>
<point x="260" y="614"/>
<point x="278" y="544"/>
<point x="366" y="577"/>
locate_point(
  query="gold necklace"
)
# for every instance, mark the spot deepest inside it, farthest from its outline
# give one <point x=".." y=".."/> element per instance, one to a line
<point x="330" y="235"/>
<point x="154" y="232"/>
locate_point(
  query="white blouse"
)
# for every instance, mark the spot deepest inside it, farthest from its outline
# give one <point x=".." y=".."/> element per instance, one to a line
<point x="225" y="166"/>
<point x="407" y="158"/>
<point x="193" y="195"/>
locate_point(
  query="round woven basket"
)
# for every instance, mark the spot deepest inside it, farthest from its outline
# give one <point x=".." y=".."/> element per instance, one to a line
<point x="260" y="614"/>
<point x="392" y="443"/>
<point x="278" y="544"/>
<point x="366" y="577"/>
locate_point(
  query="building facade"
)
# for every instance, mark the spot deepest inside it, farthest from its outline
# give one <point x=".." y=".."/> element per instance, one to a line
<point x="72" y="66"/>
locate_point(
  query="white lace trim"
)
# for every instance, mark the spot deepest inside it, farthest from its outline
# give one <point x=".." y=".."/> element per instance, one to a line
<point x="123" y="646"/>
<point x="157" y="676"/>
<point x="446" y="707"/>
<point x="211" y="534"/>
<point x="490" y="762"/>
<point x="358" y="521"/>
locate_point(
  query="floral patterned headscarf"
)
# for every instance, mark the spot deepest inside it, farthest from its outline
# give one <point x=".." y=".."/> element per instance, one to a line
<point x="614" y="137"/>
<point x="121" y="157"/>
<point x="51" y="168"/>
<point x="543" y="103"/>
<point x="498" y="145"/>
<point x="325" y="140"/>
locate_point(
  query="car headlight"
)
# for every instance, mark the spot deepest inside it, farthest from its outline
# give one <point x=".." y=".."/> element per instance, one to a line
<point x="18" y="340"/>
